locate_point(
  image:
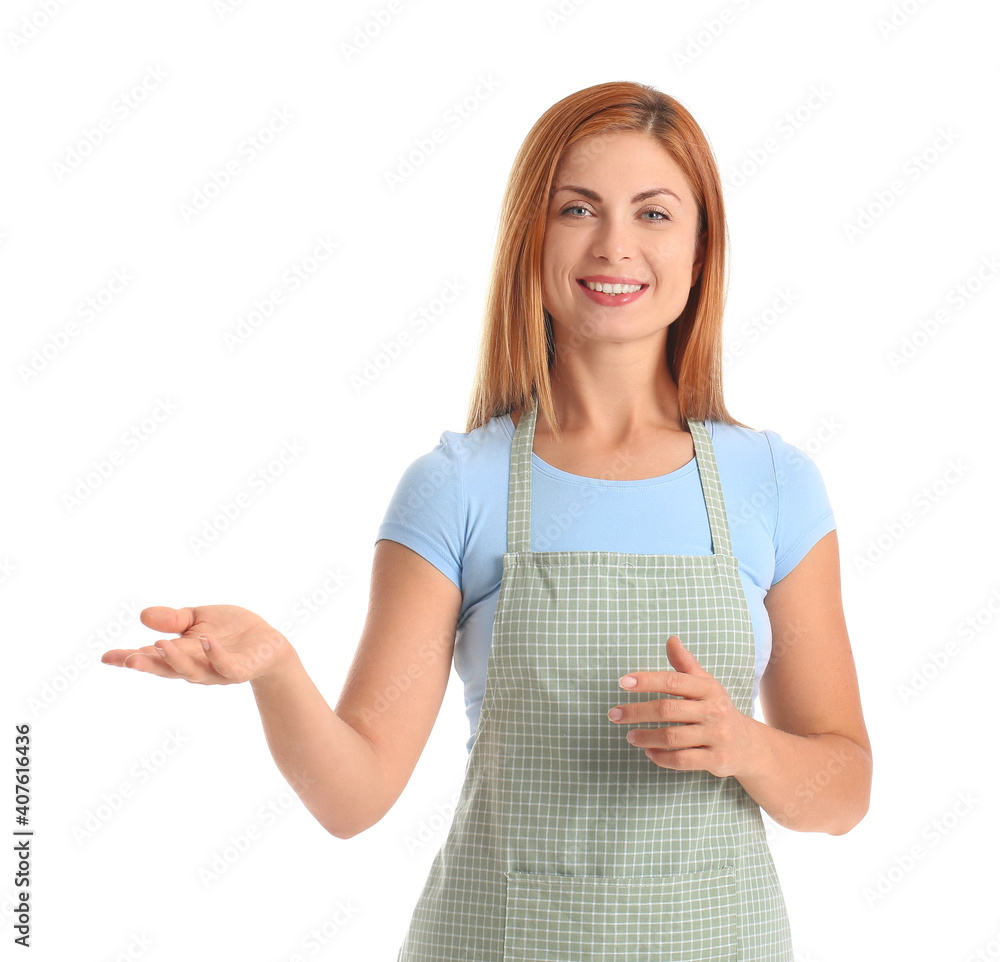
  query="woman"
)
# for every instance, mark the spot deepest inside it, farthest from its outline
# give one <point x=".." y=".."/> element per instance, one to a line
<point x="610" y="537"/>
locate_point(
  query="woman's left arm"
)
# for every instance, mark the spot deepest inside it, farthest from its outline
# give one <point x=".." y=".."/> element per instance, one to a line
<point x="810" y="765"/>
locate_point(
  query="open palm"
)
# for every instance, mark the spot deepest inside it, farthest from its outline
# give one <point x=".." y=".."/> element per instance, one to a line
<point x="241" y="646"/>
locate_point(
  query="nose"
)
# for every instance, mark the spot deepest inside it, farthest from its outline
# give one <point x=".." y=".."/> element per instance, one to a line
<point x="613" y="239"/>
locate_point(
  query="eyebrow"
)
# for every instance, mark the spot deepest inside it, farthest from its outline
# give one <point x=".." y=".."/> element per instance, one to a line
<point x="593" y="195"/>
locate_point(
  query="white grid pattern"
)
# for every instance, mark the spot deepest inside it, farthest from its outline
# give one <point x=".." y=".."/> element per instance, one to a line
<point x="568" y="843"/>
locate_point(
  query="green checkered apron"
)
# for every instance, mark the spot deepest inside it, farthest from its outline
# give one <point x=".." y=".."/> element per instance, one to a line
<point x="568" y="844"/>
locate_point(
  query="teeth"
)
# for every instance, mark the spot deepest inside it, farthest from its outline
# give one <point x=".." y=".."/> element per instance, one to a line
<point x="613" y="288"/>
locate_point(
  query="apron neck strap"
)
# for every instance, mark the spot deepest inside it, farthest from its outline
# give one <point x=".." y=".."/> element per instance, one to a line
<point x="519" y="493"/>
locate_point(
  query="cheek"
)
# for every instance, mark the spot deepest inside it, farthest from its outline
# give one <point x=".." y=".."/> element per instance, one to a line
<point x="671" y="264"/>
<point x="552" y="276"/>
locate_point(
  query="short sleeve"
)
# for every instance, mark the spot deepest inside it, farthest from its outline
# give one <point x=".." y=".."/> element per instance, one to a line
<point x="804" y="513"/>
<point x="426" y="511"/>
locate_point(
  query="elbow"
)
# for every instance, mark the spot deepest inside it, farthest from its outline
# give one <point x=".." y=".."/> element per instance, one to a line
<point x="344" y="831"/>
<point x="852" y="815"/>
<point x="843" y="828"/>
<point x="341" y="828"/>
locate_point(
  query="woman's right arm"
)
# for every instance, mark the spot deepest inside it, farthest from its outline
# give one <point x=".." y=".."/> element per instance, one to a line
<point x="348" y="765"/>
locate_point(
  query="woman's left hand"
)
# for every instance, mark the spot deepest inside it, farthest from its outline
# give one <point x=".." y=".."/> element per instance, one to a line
<point x="715" y="736"/>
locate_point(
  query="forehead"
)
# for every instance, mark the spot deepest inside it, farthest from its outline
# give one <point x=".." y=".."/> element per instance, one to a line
<point x="625" y="158"/>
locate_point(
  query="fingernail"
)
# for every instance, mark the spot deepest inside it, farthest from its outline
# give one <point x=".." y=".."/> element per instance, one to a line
<point x="628" y="681"/>
<point x="631" y="736"/>
<point x="615" y="714"/>
<point x="160" y="650"/>
<point x="204" y="641"/>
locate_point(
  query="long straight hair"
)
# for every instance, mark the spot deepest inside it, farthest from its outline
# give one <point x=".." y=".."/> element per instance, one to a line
<point x="517" y="345"/>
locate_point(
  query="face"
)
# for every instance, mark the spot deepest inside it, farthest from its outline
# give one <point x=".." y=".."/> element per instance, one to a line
<point x="620" y="213"/>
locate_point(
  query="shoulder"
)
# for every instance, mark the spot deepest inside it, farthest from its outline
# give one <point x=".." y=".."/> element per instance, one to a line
<point x="438" y="498"/>
<point x="761" y="454"/>
<point x="772" y="488"/>
<point x="438" y="479"/>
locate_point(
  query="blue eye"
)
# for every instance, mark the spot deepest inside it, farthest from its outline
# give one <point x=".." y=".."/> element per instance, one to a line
<point x="661" y="215"/>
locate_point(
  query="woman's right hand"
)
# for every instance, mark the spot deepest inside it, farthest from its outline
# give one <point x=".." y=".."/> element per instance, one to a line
<point x="238" y="646"/>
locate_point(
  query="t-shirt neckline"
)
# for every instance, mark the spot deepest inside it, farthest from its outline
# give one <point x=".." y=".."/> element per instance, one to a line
<point x="552" y="471"/>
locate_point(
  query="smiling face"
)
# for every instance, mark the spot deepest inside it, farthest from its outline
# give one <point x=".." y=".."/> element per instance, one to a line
<point x="620" y="213"/>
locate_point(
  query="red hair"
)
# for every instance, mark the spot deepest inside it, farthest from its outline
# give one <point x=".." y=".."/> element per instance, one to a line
<point x="517" y="346"/>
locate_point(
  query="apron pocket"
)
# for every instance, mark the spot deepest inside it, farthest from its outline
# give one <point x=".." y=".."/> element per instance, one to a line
<point x="650" y="918"/>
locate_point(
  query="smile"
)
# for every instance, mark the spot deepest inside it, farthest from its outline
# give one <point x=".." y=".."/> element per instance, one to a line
<point x="611" y="294"/>
<point x="612" y="288"/>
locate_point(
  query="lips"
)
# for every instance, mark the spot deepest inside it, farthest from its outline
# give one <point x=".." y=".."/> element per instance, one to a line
<point x="608" y="279"/>
<point x="611" y="300"/>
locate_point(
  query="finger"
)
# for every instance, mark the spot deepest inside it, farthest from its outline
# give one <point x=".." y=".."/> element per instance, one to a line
<point x="688" y="760"/>
<point x="163" y="618"/>
<point x="658" y="710"/>
<point x="221" y="660"/>
<point x="669" y="682"/>
<point x="195" y="670"/>
<point x="116" y="656"/>
<point x="670" y="738"/>
<point x="149" y="662"/>
<point x="681" y="658"/>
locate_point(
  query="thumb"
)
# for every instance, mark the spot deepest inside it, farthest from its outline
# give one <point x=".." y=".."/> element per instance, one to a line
<point x="164" y="618"/>
<point x="681" y="658"/>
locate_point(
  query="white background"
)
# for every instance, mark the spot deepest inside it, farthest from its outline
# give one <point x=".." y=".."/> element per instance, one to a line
<point x="913" y="103"/>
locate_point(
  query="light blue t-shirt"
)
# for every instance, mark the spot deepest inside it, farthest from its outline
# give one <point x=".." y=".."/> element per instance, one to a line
<point x="450" y="506"/>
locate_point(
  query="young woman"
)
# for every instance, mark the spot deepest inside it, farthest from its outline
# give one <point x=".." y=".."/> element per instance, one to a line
<point x="617" y="569"/>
